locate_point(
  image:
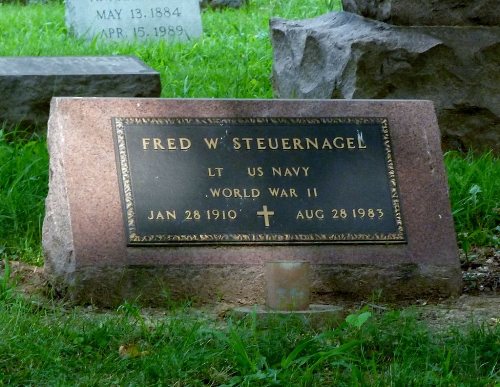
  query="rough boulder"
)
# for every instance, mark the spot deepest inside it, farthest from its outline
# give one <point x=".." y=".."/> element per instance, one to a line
<point x="346" y="56"/>
<point x="428" y="12"/>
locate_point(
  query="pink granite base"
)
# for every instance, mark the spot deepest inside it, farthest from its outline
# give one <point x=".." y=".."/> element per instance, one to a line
<point x="84" y="235"/>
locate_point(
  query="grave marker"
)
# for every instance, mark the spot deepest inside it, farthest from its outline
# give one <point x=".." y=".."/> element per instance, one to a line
<point x="194" y="196"/>
<point x="29" y="83"/>
<point x="128" y="20"/>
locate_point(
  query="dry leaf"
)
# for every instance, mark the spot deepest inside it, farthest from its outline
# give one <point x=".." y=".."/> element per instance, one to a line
<point x="130" y="351"/>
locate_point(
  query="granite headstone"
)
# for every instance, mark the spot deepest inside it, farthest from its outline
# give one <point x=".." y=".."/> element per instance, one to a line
<point x="191" y="198"/>
<point x="128" y="20"/>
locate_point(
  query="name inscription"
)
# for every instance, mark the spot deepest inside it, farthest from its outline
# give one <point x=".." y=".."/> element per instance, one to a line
<point x="257" y="181"/>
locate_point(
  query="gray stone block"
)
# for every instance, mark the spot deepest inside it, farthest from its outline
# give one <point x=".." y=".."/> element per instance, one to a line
<point x="428" y="12"/>
<point x="27" y="84"/>
<point x="343" y="55"/>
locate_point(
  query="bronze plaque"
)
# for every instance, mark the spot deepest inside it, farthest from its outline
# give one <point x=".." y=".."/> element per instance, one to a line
<point x="211" y="181"/>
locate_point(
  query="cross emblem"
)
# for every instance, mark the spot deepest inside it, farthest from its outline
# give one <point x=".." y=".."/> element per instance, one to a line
<point x="266" y="214"/>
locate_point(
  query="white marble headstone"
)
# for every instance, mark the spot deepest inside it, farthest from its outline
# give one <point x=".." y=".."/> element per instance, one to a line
<point x="128" y="20"/>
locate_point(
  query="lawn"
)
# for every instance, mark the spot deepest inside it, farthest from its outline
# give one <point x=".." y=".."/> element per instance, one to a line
<point x="50" y="345"/>
<point x="47" y="343"/>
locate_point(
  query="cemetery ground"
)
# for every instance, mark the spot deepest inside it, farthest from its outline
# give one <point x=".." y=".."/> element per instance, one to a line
<point x="44" y="341"/>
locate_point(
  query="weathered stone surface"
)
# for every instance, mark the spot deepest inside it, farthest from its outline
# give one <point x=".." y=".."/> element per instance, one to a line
<point x="134" y="20"/>
<point x="428" y="12"/>
<point x="342" y="55"/>
<point x="84" y="234"/>
<point x="27" y="84"/>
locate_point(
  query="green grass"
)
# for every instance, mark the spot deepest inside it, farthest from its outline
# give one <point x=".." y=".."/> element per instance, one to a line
<point x="23" y="188"/>
<point x="232" y="60"/>
<point x="474" y="182"/>
<point x="66" y="348"/>
<point x="46" y="344"/>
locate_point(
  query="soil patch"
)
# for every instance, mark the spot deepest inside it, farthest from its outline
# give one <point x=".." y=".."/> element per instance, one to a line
<point x="479" y="303"/>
